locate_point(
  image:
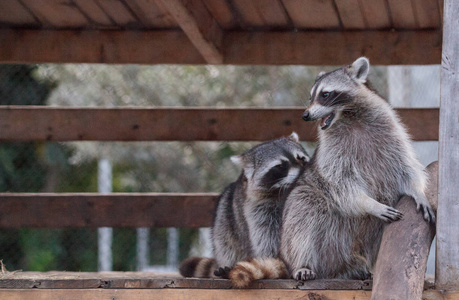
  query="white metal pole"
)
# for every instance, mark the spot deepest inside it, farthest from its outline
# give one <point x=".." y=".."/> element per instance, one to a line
<point x="105" y="234"/>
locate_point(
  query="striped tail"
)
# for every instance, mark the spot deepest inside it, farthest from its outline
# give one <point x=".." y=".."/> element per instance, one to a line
<point x="245" y="272"/>
<point x="200" y="267"/>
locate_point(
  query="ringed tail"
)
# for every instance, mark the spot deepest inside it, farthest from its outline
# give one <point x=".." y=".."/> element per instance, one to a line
<point x="245" y="272"/>
<point x="200" y="267"/>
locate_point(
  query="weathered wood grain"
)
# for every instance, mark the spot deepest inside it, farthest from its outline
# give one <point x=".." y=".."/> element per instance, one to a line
<point x="57" y="14"/>
<point x="186" y="294"/>
<point x="258" y="48"/>
<point x="147" y="280"/>
<point x="96" y="46"/>
<point x="38" y="123"/>
<point x="88" y="210"/>
<point x="200" y="27"/>
<point x="447" y="269"/>
<point x="315" y="48"/>
<point x="402" y="259"/>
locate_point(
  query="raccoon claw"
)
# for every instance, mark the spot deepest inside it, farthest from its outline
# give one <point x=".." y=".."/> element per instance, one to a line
<point x="427" y="213"/>
<point x="391" y="215"/>
<point x="222" y="272"/>
<point x="304" y="274"/>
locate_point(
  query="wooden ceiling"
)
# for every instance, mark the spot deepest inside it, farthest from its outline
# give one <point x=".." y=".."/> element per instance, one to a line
<point x="312" y="32"/>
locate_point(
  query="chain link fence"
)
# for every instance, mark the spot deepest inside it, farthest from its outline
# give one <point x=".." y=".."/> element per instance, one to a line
<point x="151" y="166"/>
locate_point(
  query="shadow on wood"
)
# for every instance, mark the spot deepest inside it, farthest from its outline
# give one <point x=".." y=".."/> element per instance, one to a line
<point x="401" y="265"/>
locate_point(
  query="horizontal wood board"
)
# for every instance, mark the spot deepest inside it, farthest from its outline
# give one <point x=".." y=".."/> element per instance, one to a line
<point x="88" y="210"/>
<point x="147" y="280"/>
<point x="38" y="123"/>
<point x="387" y="47"/>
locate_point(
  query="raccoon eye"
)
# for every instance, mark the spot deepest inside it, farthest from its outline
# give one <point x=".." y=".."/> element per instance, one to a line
<point x="324" y="95"/>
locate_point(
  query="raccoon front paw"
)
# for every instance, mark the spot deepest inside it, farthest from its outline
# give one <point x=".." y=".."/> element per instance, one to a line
<point x="304" y="274"/>
<point x="222" y="272"/>
<point x="426" y="210"/>
<point x="390" y="214"/>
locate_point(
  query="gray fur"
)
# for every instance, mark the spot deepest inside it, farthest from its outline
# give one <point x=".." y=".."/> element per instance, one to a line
<point x="364" y="163"/>
<point x="248" y="215"/>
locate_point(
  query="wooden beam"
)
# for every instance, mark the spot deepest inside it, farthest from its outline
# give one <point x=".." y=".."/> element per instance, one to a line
<point x="205" y="294"/>
<point x="200" y="27"/>
<point x="447" y="270"/>
<point x="148" y="280"/>
<point x="95" y="46"/>
<point x="240" y="48"/>
<point x="402" y="259"/>
<point x="39" y="123"/>
<point x="315" y="48"/>
<point x="192" y="210"/>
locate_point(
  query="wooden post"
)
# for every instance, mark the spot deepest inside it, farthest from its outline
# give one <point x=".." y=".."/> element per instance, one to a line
<point x="447" y="270"/>
<point x="401" y="265"/>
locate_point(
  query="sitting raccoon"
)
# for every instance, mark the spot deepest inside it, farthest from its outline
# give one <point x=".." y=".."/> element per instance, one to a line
<point x="332" y="221"/>
<point x="248" y="215"/>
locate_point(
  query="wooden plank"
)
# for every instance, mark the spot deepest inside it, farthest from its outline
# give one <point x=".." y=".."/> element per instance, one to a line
<point x="376" y="14"/>
<point x="57" y="13"/>
<point x="350" y="14"/>
<point x="119" y="13"/>
<point x="94" y="13"/>
<point x="221" y="11"/>
<point x="185" y="294"/>
<point x="180" y="294"/>
<point x="427" y="13"/>
<point x="315" y="48"/>
<point x="259" y="48"/>
<point x="88" y="210"/>
<point x="12" y="12"/>
<point x="262" y="13"/>
<point x="312" y="14"/>
<point x="39" y="46"/>
<point x="148" y="280"/>
<point x="402" y="259"/>
<point x="403" y="16"/>
<point x="38" y="123"/>
<point x="200" y="27"/>
<point x="447" y="270"/>
<point x="152" y="14"/>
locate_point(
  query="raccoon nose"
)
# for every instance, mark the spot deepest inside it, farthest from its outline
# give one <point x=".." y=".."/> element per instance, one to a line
<point x="306" y="115"/>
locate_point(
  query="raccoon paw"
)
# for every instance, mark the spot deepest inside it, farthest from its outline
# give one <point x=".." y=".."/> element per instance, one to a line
<point x="390" y="215"/>
<point x="426" y="210"/>
<point x="304" y="274"/>
<point x="222" y="272"/>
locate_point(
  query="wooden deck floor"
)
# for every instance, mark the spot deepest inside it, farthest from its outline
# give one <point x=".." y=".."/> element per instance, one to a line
<point x="142" y="285"/>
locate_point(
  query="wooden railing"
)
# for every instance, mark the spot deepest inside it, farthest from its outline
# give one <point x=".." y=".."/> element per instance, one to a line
<point x="38" y="123"/>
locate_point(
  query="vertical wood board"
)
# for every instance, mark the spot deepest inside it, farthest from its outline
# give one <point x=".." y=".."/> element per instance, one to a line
<point x="13" y="12"/>
<point x="376" y="14"/>
<point x="447" y="269"/>
<point x="94" y="13"/>
<point x="262" y="13"/>
<point x="350" y="14"/>
<point x="312" y="14"/>
<point x="152" y="14"/>
<point x="57" y="14"/>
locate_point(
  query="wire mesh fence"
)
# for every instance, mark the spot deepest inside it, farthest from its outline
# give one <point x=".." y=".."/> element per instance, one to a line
<point x="151" y="166"/>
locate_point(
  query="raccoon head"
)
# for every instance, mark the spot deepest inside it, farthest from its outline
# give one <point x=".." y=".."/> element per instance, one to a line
<point x="272" y="167"/>
<point x="333" y="92"/>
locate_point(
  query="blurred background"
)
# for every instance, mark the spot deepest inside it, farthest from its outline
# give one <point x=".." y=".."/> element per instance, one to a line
<point x="107" y="167"/>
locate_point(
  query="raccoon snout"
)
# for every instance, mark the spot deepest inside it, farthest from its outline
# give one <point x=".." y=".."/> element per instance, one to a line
<point x="306" y="116"/>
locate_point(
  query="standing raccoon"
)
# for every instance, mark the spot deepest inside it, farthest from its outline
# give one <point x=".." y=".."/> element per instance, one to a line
<point x="248" y="215"/>
<point x="363" y="164"/>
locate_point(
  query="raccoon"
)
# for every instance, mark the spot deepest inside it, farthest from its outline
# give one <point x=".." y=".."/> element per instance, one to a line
<point x="248" y="214"/>
<point x="363" y="164"/>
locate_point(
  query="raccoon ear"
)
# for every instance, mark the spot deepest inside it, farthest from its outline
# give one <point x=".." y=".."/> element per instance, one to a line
<point x="322" y="73"/>
<point x="237" y="160"/>
<point x="294" y="137"/>
<point x="359" y="69"/>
